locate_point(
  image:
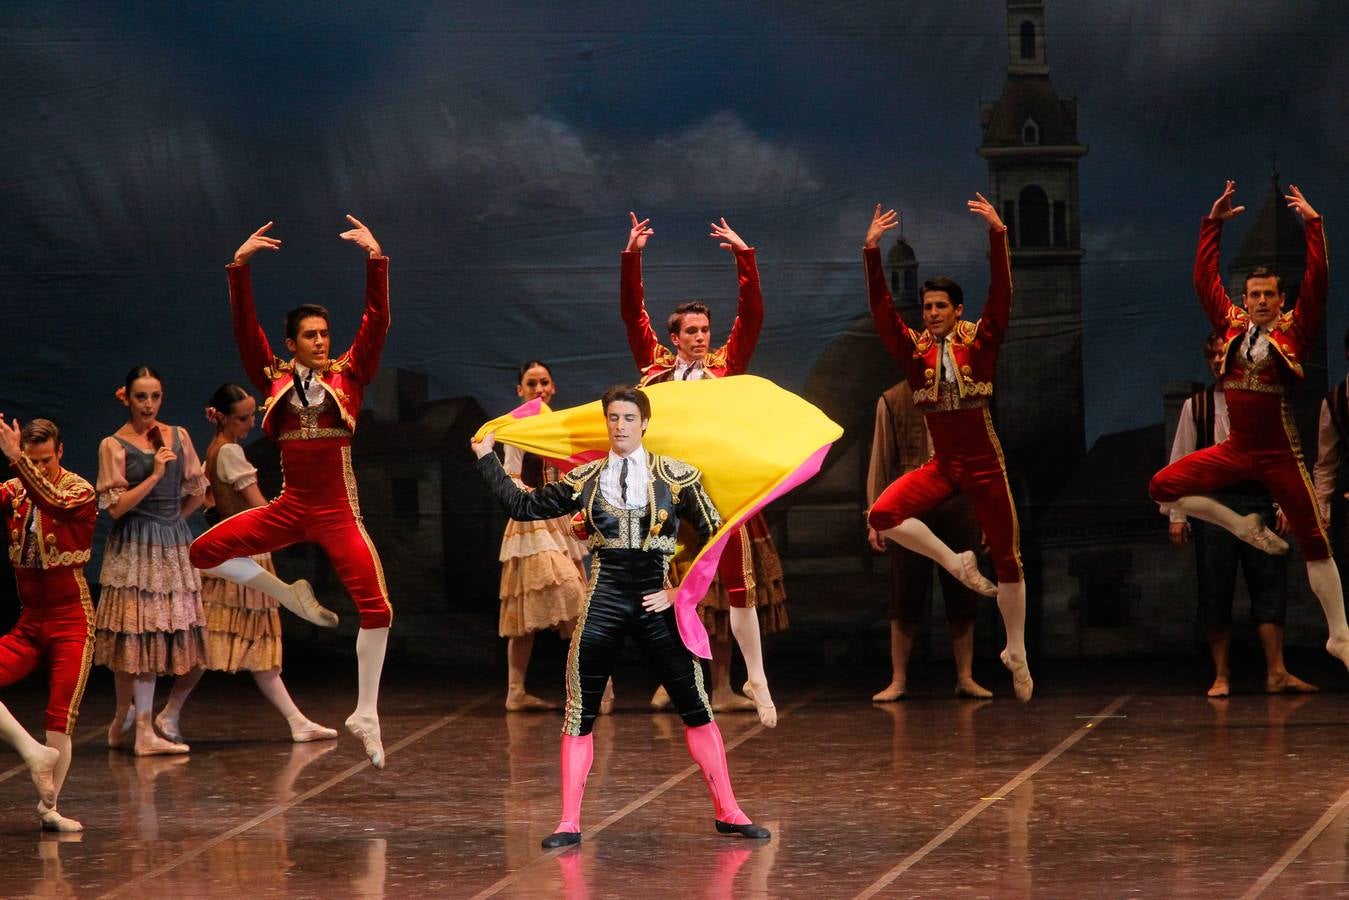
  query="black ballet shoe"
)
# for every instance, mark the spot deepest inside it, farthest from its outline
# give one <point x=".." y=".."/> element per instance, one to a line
<point x="749" y="830"/>
<point x="564" y="839"/>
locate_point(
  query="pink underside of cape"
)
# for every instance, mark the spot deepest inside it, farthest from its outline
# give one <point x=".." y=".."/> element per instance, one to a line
<point x="704" y="569"/>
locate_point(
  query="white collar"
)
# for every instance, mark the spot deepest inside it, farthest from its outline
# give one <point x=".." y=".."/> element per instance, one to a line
<point x="637" y="456"/>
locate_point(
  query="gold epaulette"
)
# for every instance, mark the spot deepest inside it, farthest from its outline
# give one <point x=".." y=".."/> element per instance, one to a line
<point x="582" y="473"/>
<point x="966" y="330"/>
<point x="676" y="473"/>
<point x="278" y="368"/>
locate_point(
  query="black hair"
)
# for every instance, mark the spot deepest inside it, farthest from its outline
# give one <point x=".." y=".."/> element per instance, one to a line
<point x="141" y="372"/>
<point x="625" y="393"/>
<point x="529" y="364"/>
<point x="302" y="312"/>
<point x="39" y="431"/>
<point x="696" y="307"/>
<point x="225" y="396"/>
<point x="1265" y="272"/>
<point x="947" y="285"/>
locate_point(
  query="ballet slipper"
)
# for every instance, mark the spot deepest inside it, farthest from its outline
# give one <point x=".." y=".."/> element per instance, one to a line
<point x="763" y="703"/>
<point x="972" y="690"/>
<point x="302" y="730"/>
<point x="150" y="744"/>
<point x="307" y="606"/>
<point x="519" y="701"/>
<point x="42" y="769"/>
<point x="1284" y="683"/>
<point x="1022" y="684"/>
<point x="122" y="721"/>
<point x="1220" y="688"/>
<point x="1339" y="649"/>
<point x="1256" y="533"/>
<point x="969" y="575"/>
<point x="167" y="725"/>
<point x="366" y="728"/>
<point x="890" y="693"/>
<point x="54" y="821"/>
<point x="727" y="700"/>
<point x="607" y="701"/>
<point x="661" y="699"/>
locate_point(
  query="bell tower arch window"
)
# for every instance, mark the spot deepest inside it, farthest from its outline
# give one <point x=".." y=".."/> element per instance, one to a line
<point x="1034" y="216"/>
<point x="1028" y="40"/>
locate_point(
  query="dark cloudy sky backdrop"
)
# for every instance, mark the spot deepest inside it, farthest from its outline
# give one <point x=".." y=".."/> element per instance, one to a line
<point x="496" y="148"/>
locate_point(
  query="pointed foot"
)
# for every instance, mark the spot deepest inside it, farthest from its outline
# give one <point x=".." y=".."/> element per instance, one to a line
<point x="308" y="607"/>
<point x="969" y="575"/>
<point x="366" y="728"/>
<point x="120" y="729"/>
<point x="1256" y="533"/>
<point x="763" y="703"/>
<point x="1339" y="648"/>
<point x="167" y="725"/>
<point x="1022" y="684"/>
<point x="43" y="772"/>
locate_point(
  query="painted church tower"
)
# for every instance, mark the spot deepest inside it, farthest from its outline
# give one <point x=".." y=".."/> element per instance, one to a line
<point x="1030" y="143"/>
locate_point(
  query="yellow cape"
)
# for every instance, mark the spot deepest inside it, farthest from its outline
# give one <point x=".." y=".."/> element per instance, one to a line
<point x="752" y="440"/>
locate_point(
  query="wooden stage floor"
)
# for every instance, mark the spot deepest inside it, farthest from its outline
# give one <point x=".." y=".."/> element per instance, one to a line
<point x="1110" y="784"/>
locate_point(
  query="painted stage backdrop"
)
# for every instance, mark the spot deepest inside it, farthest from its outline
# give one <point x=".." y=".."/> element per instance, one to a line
<point x="495" y="151"/>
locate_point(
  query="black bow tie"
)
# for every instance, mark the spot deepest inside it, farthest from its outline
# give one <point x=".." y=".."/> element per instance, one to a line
<point x="302" y="386"/>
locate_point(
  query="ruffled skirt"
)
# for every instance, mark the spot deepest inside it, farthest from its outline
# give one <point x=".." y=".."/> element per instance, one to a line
<point x="149" y="617"/>
<point x="243" y="626"/>
<point x="768" y="595"/>
<point x="541" y="586"/>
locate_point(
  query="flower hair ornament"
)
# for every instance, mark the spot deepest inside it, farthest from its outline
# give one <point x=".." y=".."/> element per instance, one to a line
<point x="120" y="393"/>
<point x="215" y="416"/>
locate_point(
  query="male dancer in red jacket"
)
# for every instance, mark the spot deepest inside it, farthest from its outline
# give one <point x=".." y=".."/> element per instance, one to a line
<point x="310" y="411"/>
<point x="950" y="366"/>
<point x="690" y="328"/>
<point x="49" y="513"/>
<point x="1262" y="353"/>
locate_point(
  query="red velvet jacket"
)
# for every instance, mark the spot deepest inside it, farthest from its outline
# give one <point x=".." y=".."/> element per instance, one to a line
<point x="65" y="513"/>
<point x="1292" y="333"/>
<point x="654" y="360"/>
<point x="344" y="378"/>
<point x="974" y="345"/>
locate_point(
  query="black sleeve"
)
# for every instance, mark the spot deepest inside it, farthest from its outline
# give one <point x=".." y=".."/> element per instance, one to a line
<point x="696" y="508"/>
<point x="548" y="502"/>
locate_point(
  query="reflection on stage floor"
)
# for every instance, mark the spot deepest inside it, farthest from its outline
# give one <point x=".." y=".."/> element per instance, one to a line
<point x="1116" y="783"/>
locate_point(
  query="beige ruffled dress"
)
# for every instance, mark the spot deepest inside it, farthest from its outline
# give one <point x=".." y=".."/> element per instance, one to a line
<point x="243" y="626"/>
<point x="541" y="583"/>
<point x="149" y="616"/>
